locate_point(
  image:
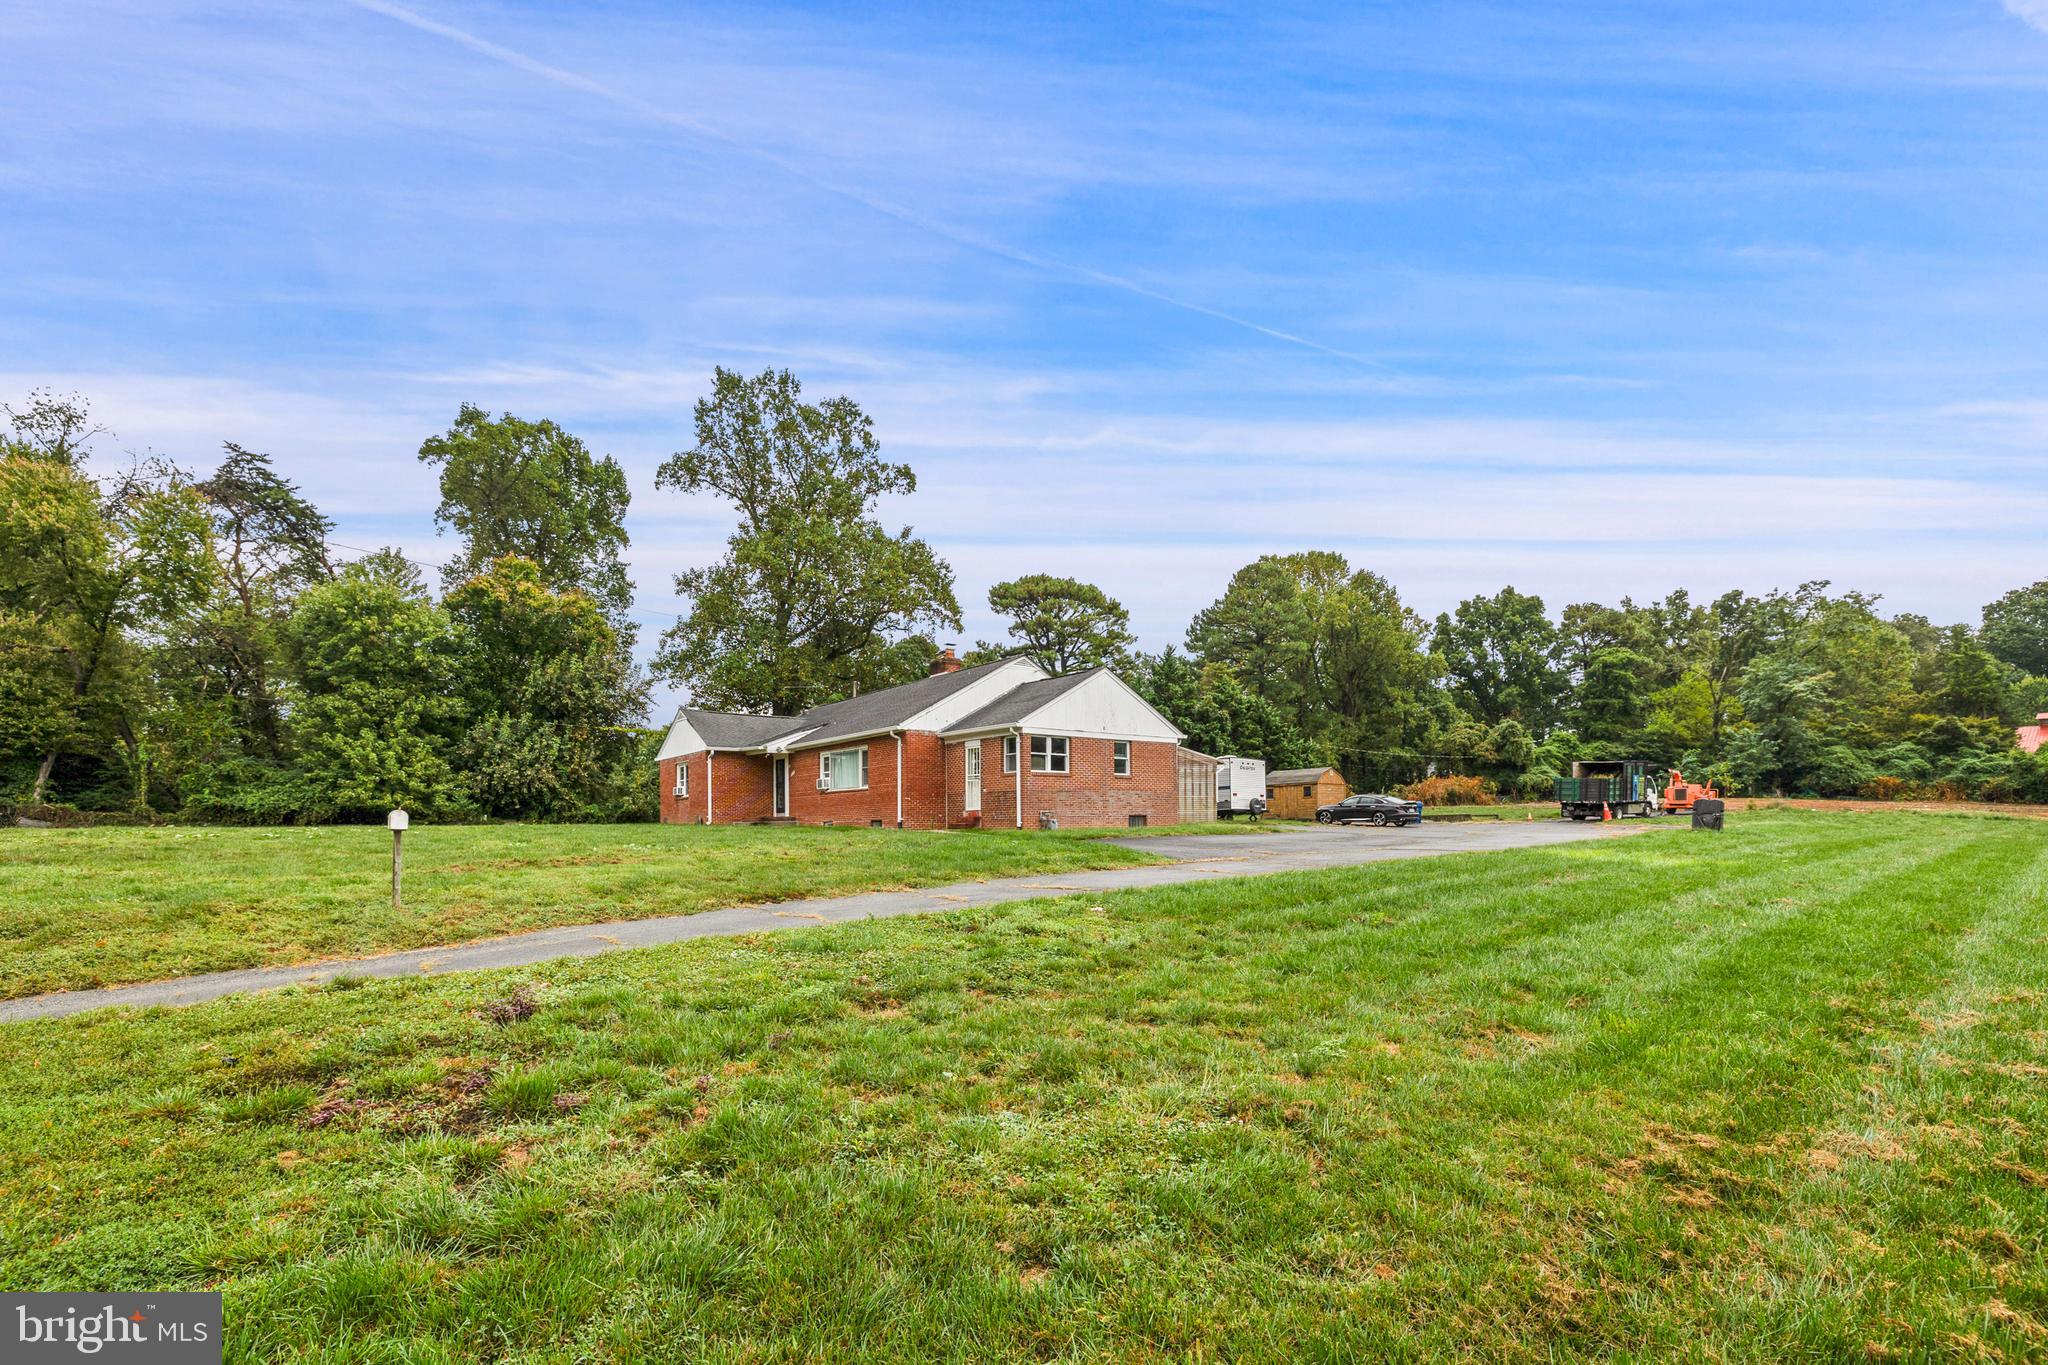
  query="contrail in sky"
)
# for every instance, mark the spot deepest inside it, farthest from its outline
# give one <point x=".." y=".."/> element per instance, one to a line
<point x="960" y="237"/>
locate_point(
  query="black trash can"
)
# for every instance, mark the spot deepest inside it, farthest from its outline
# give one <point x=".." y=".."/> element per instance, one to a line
<point x="1706" y="814"/>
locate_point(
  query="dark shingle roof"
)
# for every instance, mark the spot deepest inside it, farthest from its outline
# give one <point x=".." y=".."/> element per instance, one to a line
<point x="724" y="730"/>
<point x="1021" y="701"/>
<point x="887" y="708"/>
<point x="1295" y="777"/>
<point x="883" y="710"/>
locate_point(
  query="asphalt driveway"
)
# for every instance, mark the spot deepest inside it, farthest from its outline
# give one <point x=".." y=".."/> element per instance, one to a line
<point x="1197" y="858"/>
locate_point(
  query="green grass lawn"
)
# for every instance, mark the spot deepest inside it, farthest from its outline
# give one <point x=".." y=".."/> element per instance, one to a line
<point x="1776" y="1094"/>
<point x="99" y="907"/>
<point x="1505" y="810"/>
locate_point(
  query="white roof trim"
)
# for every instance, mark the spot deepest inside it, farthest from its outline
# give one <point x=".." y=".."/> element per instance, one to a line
<point x="782" y="744"/>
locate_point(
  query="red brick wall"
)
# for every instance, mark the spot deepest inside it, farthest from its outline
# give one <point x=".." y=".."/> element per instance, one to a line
<point x="924" y="781"/>
<point x="741" y="790"/>
<point x="1086" y="796"/>
<point x="924" y="784"/>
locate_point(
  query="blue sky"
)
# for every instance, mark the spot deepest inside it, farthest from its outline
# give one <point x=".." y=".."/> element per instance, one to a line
<point x="1591" y="299"/>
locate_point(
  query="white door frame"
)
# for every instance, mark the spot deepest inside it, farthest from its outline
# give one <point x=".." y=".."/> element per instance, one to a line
<point x="970" y="795"/>
<point x="779" y="787"/>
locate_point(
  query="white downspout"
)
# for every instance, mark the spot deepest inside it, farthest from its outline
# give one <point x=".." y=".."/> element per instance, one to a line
<point x="1023" y="762"/>
<point x="710" y="755"/>
<point x="899" y="779"/>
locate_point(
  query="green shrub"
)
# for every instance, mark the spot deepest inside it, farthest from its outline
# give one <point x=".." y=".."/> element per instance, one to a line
<point x="247" y="791"/>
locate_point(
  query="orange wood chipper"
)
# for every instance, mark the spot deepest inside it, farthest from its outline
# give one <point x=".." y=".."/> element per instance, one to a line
<point x="1679" y="794"/>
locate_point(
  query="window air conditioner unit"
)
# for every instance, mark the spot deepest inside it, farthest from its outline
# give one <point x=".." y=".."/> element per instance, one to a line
<point x="824" y="784"/>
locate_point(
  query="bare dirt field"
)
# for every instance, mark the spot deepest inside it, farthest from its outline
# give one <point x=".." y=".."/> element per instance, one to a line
<point x="2025" y="812"/>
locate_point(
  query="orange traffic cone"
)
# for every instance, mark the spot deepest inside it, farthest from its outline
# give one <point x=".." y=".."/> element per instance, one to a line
<point x="1606" y="813"/>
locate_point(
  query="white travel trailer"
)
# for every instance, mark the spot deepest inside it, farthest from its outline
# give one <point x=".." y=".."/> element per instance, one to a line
<point x="1240" y="787"/>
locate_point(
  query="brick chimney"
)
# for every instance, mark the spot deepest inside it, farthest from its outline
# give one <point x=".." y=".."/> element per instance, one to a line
<point x="947" y="662"/>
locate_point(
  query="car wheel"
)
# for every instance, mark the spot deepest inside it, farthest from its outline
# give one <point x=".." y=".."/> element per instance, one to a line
<point x="1324" y="817"/>
<point x="1378" y="820"/>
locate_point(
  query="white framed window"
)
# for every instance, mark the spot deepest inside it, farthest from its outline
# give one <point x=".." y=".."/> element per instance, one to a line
<point x="1120" y="758"/>
<point x="682" y="779"/>
<point x="844" y="770"/>
<point x="1009" y="753"/>
<point x="1048" y="753"/>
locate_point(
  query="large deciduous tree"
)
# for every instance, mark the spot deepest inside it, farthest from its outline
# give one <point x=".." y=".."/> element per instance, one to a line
<point x="1333" y="649"/>
<point x="270" y="544"/>
<point x="553" y="697"/>
<point x="814" y="599"/>
<point x="2015" y="628"/>
<point x="1498" y="652"/>
<point x="533" y="491"/>
<point x="379" y="712"/>
<point x="1062" y="624"/>
<point x="1258" y="630"/>
<point x="88" y="573"/>
<point x="1968" y="680"/>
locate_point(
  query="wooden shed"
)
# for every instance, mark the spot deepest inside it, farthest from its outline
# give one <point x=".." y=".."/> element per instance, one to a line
<point x="1294" y="793"/>
<point x="1195" y="776"/>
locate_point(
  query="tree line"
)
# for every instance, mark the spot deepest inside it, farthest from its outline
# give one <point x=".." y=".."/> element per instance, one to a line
<point x="1811" y="691"/>
<point x="195" y="643"/>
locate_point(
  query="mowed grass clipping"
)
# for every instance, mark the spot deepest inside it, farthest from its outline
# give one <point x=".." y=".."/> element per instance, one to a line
<point x="101" y="907"/>
<point x="1774" y="1095"/>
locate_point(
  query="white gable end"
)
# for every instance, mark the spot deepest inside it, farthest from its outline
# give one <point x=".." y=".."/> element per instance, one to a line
<point x="1103" y="706"/>
<point x="682" y="738"/>
<point x="966" y="701"/>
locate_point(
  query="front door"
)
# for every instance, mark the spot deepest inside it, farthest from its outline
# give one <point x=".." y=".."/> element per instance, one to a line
<point x="970" y="801"/>
<point x="781" y="788"/>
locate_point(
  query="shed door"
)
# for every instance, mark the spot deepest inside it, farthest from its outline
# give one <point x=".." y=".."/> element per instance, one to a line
<point x="971" y="797"/>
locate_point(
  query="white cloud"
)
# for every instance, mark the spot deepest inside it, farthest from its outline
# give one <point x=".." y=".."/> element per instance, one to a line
<point x="2033" y="12"/>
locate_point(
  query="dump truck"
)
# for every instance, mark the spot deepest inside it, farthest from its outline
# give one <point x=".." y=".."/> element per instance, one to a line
<point x="1602" y="788"/>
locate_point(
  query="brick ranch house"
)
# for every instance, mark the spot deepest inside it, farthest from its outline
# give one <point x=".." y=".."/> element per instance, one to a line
<point x="1002" y="744"/>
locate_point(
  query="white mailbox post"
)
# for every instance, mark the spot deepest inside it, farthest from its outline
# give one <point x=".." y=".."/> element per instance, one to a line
<point x="398" y="822"/>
